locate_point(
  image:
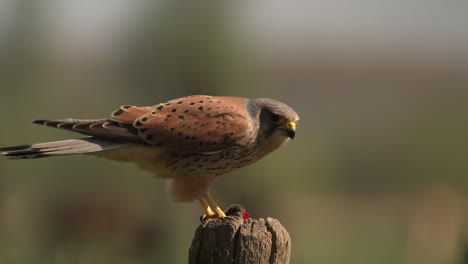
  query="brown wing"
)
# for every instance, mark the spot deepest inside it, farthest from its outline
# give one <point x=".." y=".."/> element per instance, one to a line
<point x="127" y="114"/>
<point x="119" y="128"/>
<point x="100" y="128"/>
<point x="197" y="123"/>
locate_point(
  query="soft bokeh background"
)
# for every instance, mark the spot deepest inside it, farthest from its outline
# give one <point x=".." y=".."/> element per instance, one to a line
<point x="378" y="172"/>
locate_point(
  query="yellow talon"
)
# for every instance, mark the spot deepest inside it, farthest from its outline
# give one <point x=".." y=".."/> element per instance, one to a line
<point x="218" y="212"/>
<point x="208" y="203"/>
<point x="206" y="206"/>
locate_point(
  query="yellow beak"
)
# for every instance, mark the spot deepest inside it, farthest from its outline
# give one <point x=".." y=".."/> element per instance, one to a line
<point x="291" y="129"/>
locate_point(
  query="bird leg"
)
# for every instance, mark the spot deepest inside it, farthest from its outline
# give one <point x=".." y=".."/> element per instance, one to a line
<point x="208" y="203"/>
<point x="217" y="211"/>
<point x="206" y="207"/>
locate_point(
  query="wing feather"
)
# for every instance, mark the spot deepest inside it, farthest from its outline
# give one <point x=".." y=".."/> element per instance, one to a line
<point x="193" y="124"/>
<point x="101" y="128"/>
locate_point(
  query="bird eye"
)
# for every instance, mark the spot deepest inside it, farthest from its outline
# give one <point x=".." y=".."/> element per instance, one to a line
<point x="275" y="118"/>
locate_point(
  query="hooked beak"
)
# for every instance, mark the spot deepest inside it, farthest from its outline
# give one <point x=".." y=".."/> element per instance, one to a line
<point x="290" y="129"/>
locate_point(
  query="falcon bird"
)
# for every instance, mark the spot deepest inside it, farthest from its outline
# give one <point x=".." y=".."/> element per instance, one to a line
<point x="192" y="141"/>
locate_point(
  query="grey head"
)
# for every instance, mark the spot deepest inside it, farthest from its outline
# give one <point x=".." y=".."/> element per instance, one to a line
<point x="273" y="118"/>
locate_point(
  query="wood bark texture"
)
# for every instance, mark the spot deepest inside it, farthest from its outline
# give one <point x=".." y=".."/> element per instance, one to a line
<point x="234" y="241"/>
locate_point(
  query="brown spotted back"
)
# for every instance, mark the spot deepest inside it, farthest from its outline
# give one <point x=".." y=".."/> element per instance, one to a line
<point x="195" y="124"/>
<point x="192" y="124"/>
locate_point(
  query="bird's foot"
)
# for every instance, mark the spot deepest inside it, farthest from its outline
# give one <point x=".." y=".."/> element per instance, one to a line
<point x="217" y="215"/>
<point x="234" y="210"/>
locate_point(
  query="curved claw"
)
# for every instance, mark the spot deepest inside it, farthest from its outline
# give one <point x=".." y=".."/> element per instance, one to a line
<point x="204" y="218"/>
<point x="207" y="204"/>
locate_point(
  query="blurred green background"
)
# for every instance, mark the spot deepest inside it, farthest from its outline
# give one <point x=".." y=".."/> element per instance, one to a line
<point x="378" y="172"/>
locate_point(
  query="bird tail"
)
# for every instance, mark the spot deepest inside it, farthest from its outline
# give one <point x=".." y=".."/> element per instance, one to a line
<point x="58" y="148"/>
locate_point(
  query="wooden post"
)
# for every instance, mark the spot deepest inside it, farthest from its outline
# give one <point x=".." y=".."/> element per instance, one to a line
<point x="236" y="240"/>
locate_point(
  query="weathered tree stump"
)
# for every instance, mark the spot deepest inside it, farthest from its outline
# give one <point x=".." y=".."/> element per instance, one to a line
<point x="234" y="240"/>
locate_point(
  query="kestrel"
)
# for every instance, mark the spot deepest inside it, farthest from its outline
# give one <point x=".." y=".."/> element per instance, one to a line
<point x="192" y="141"/>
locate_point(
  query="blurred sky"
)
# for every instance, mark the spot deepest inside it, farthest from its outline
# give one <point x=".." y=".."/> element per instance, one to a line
<point x="323" y="24"/>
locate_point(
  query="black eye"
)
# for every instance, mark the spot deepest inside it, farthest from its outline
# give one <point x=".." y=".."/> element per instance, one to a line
<point x="275" y="118"/>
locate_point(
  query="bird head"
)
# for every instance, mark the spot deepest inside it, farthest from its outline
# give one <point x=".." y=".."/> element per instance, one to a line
<point x="276" y="120"/>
